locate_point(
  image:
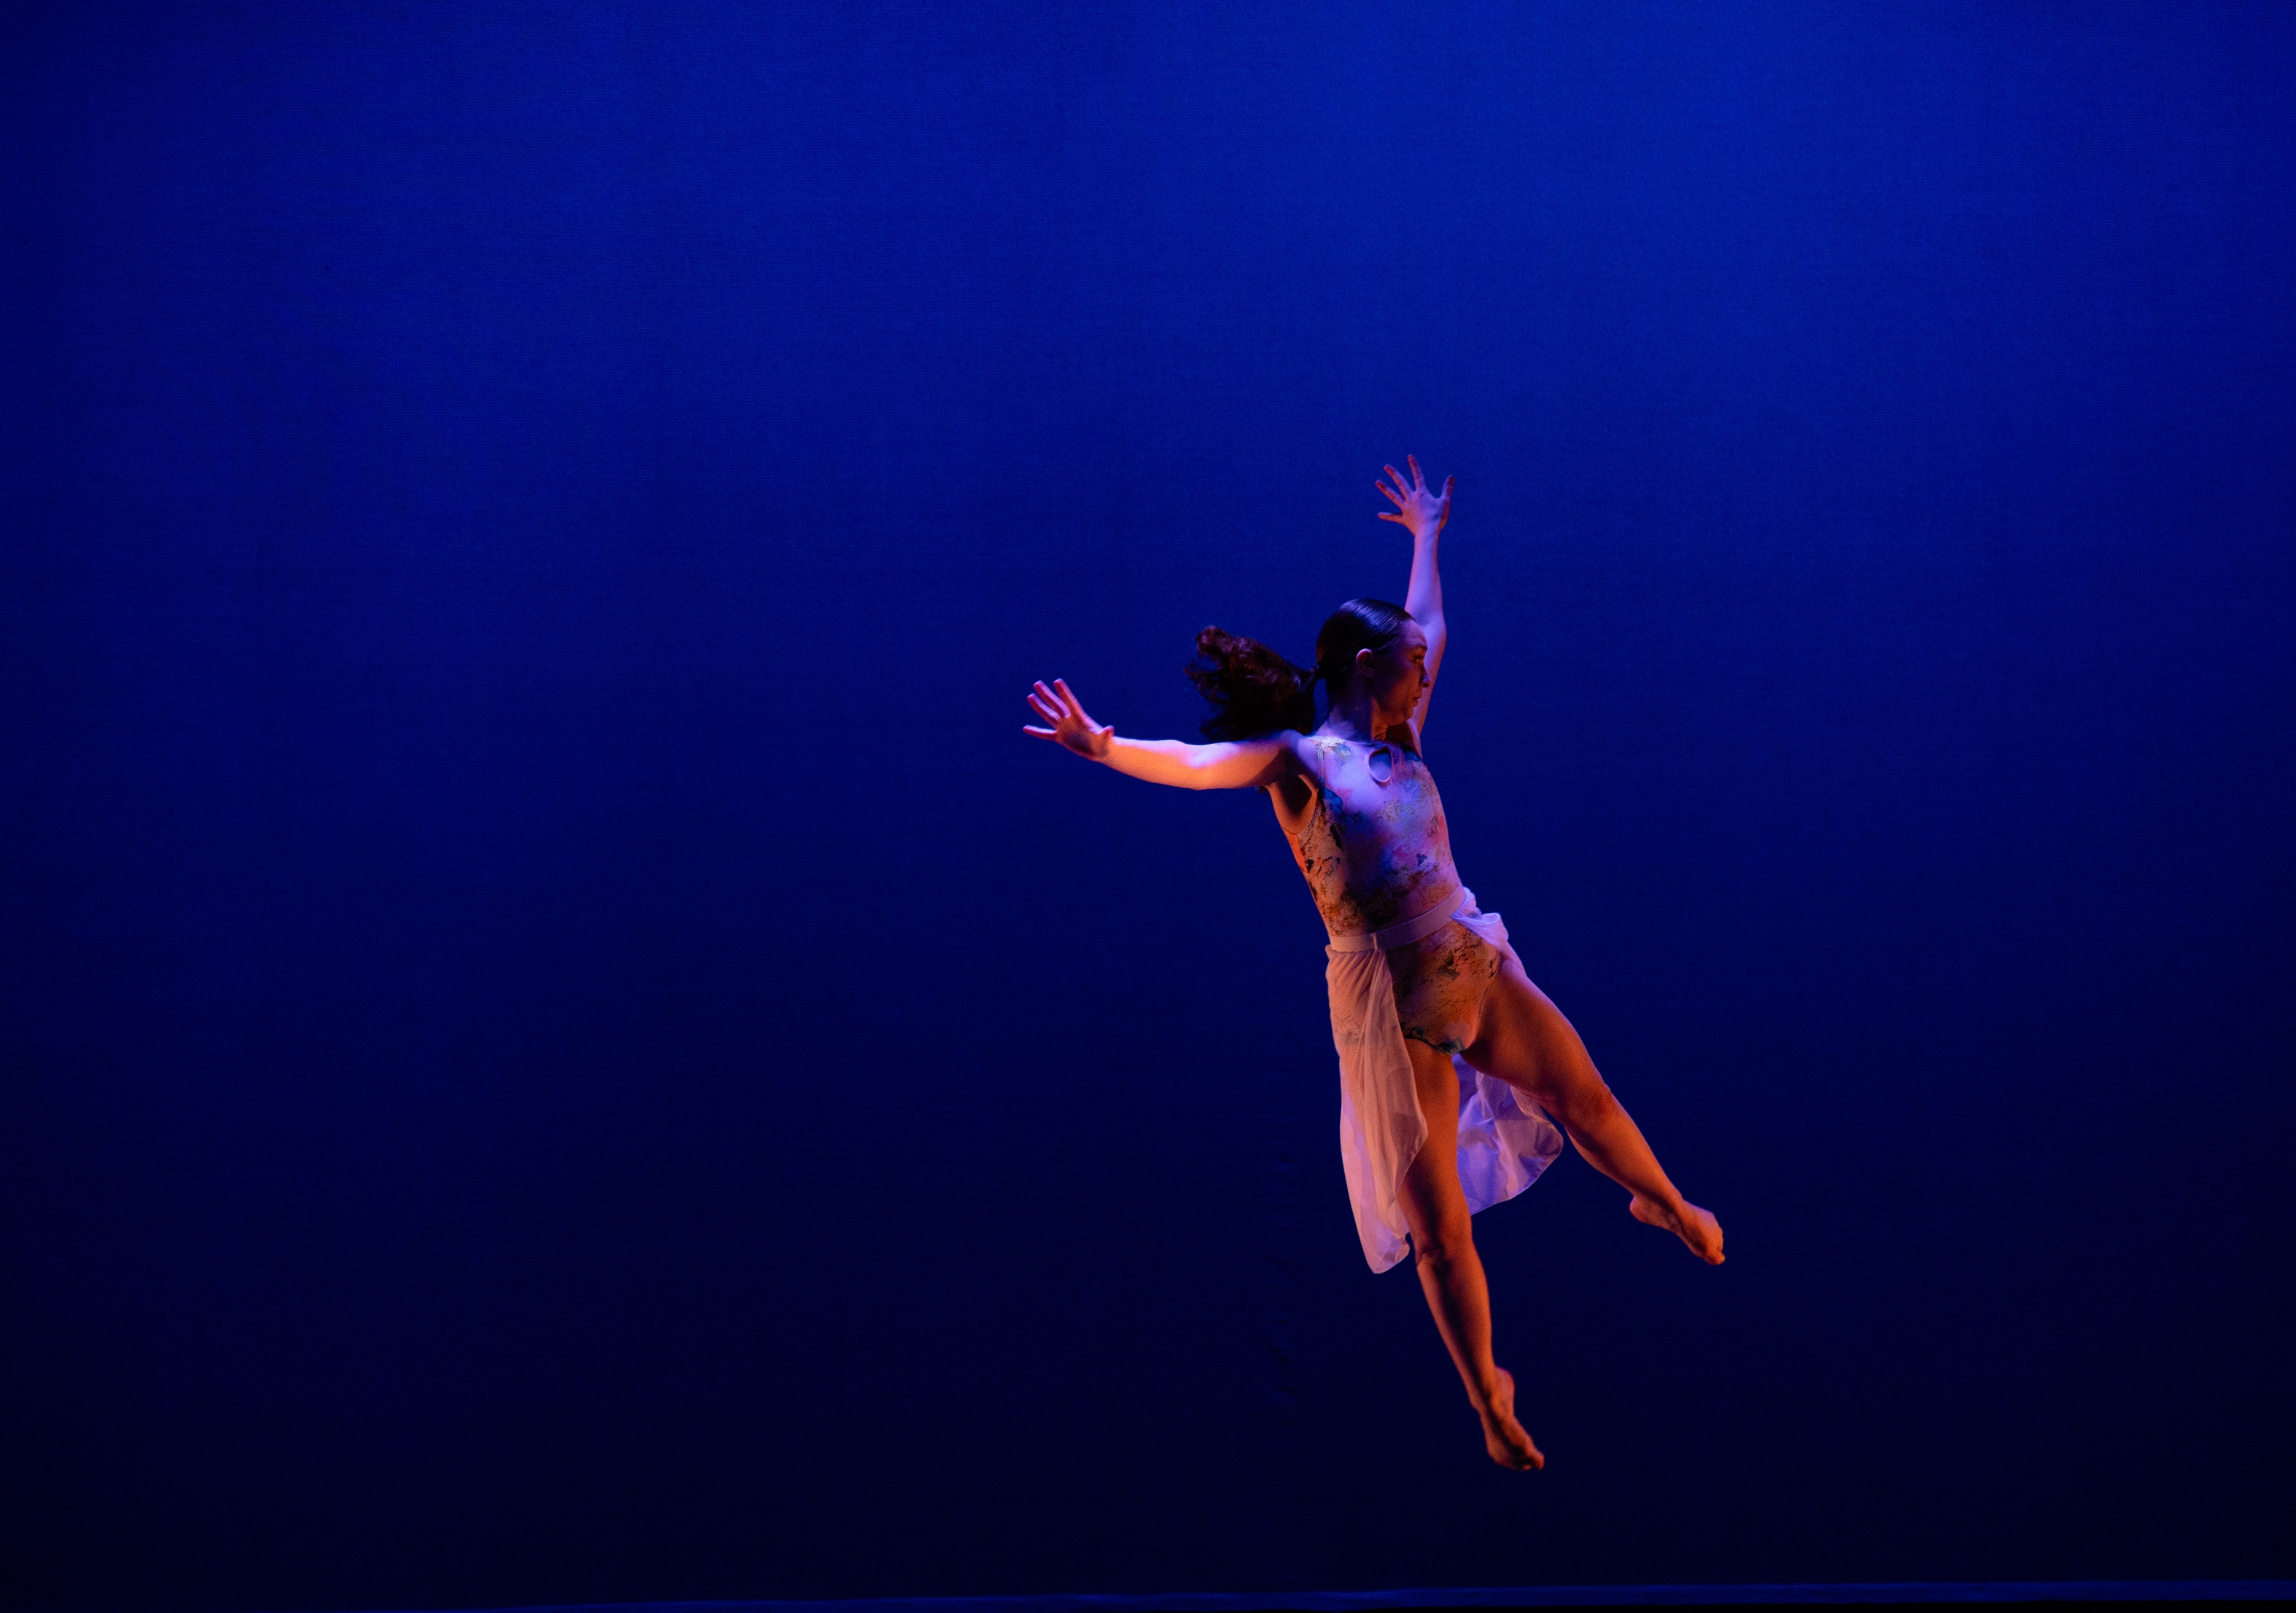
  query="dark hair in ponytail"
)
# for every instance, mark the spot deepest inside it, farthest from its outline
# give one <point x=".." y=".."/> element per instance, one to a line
<point x="1255" y="691"/>
<point x="1252" y="689"/>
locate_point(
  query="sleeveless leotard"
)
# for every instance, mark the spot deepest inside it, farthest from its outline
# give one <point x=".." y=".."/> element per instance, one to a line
<point x="1377" y="857"/>
<point x="1375" y="851"/>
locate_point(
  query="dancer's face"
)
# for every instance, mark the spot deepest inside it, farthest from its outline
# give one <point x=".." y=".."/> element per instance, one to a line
<point x="1395" y="677"/>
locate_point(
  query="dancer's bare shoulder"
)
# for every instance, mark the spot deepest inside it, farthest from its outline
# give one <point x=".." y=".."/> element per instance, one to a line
<point x="1291" y="789"/>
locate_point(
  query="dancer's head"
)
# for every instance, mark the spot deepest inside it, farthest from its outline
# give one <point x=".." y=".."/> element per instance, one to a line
<point x="1369" y="643"/>
<point x="1255" y="691"/>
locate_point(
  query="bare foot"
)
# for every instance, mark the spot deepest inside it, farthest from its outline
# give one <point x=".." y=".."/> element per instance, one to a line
<point x="1503" y="1437"/>
<point x="1694" y="1226"/>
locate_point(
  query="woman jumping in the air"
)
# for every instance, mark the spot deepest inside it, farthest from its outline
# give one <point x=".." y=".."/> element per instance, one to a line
<point x="1445" y="1045"/>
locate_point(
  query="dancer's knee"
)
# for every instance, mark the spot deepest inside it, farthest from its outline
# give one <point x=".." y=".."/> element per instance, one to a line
<point x="1587" y="1105"/>
<point x="1438" y="1249"/>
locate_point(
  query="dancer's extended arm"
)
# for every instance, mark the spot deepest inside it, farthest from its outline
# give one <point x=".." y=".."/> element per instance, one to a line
<point x="1236" y="765"/>
<point x="1425" y="513"/>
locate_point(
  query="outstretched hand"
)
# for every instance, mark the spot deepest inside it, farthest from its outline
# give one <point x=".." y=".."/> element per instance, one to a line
<point x="1060" y="706"/>
<point x="1424" y="513"/>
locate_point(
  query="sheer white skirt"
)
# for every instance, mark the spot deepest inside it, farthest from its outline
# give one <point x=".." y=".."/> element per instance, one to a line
<point x="1504" y="1142"/>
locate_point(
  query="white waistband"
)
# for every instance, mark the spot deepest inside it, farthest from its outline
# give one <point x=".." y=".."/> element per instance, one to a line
<point x="1411" y="930"/>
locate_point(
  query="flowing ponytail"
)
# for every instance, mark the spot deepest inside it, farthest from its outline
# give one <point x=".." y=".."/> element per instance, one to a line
<point x="1252" y="689"/>
<point x="1255" y="691"/>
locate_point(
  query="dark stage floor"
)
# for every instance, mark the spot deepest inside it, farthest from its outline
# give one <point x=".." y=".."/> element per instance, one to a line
<point x="2214" y="1594"/>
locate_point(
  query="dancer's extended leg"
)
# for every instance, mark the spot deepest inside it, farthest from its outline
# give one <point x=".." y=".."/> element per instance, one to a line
<point x="1451" y="1272"/>
<point x="1525" y="1041"/>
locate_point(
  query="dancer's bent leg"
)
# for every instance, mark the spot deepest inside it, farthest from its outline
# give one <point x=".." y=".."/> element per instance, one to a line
<point x="1451" y="1272"/>
<point x="1525" y="1041"/>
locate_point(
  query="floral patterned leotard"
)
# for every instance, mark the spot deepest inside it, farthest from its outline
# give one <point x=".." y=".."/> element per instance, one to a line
<point x="1375" y="851"/>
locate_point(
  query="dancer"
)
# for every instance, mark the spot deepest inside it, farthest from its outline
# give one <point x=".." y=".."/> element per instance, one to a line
<point x="1448" y="1054"/>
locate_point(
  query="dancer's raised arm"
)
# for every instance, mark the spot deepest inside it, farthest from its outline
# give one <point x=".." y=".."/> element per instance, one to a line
<point x="1425" y="513"/>
<point x="1236" y="765"/>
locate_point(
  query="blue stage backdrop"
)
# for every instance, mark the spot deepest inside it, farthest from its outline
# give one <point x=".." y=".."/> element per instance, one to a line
<point x="560" y="1045"/>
